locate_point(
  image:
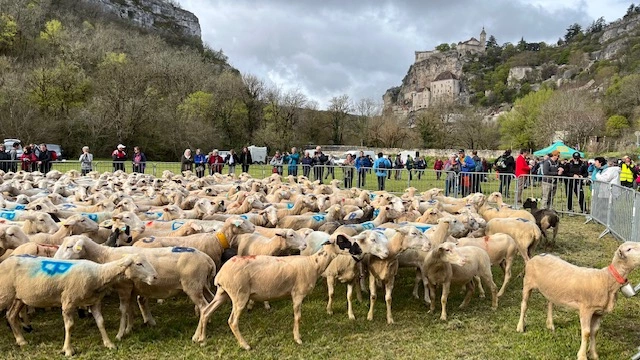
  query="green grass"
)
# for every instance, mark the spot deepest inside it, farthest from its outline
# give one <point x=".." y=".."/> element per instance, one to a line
<point x="473" y="333"/>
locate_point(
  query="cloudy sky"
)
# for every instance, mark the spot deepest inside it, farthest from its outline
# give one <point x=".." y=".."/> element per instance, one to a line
<point x="327" y="48"/>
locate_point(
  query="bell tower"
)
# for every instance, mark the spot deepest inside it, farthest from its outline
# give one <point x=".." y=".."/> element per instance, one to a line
<point x="483" y="39"/>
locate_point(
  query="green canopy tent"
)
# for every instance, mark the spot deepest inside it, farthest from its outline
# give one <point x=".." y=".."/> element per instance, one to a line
<point x="565" y="151"/>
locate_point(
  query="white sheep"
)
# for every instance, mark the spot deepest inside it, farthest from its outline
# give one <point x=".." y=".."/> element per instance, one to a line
<point x="263" y="278"/>
<point x="77" y="224"/>
<point x="525" y="232"/>
<point x="42" y="282"/>
<point x="179" y="270"/>
<point x="592" y="292"/>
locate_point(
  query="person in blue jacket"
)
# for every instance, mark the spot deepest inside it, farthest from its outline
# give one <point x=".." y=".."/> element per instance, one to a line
<point x="381" y="166"/>
<point x="362" y="164"/>
<point x="467" y="166"/>
<point x="292" y="159"/>
<point x="200" y="162"/>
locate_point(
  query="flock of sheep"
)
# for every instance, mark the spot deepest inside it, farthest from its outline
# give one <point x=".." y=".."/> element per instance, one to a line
<point x="67" y="240"/>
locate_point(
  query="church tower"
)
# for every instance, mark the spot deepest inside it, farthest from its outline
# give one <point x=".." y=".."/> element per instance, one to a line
<point x="483" y="40"/>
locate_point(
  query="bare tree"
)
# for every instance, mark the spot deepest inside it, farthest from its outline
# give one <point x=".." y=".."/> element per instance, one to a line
<point x="339" y="108"/>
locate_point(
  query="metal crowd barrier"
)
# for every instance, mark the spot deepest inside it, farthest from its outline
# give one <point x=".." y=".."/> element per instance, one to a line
<point x="618" y="209"/>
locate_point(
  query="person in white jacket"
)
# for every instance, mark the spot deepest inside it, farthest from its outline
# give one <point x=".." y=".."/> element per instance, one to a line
<point x="609" y="173"/>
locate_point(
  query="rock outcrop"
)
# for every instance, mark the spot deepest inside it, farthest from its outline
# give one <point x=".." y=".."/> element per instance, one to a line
<point x="160" y="15"/>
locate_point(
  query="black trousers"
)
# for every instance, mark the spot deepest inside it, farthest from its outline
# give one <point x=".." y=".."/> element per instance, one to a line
<point x="505" y="184"/>
<point x="381" y="180"/>
<point x="362" y="177"/>
<point x="245" y="168"/>
<point x="574" y="186"/>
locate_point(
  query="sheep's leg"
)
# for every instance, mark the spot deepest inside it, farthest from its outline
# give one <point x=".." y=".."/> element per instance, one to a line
<point x="478" y="284"/>
<point x="432" y="297"/>
<point x="356" y="285"/>
<point x="126" y="323"/>
<point x="220" y="298"/>
<point x="12" y="318"/>
<point x="330" y="289"/>
<point x="143" y="304"/>
<point x="427" y="292"/>
<point x="372" y="296"/>
<point x="470" y="289"/>
<point x="350" y="299"/>
<point x="487" y="278"/>
<point x="67" y="316"/>
<point x="595" y="326"/>
<point x="297" y="314"/>
<point x="443" y="300"/>
<point x="388" y="299"/>
<point x="416" y="283"/>
<point x="96" y="311"/>
<point x="506" y="267"/>
<point x="25" y="319"/>
<point x="550" y="316"/>
<point x="363" y="275"/>
<point x="267" y="306"/>
<point x="234" y="319"/>
<point x="250" y="305"/>
<point x="585" y="330"/>
<point x="526" y="292"/>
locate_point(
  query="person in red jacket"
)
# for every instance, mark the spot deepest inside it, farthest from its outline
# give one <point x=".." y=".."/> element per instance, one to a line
<point x="29" y="159"/>
<point x="522" y="169"/>
<point x="437" y="166"/>
<point x="216" y="162"/>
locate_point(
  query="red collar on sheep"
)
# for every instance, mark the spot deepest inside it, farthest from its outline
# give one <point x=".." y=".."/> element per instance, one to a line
<point x="617" y="275"/>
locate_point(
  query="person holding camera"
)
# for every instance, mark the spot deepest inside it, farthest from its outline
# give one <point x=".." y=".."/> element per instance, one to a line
<point x="277" y="162"/>
<point x="292" y="160"/>
<point x="86" y="160"/>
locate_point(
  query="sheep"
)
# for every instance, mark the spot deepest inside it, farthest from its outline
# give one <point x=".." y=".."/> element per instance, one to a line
<point x="212" y="245"/>
<point x="592" y="292"/>
<point x="526" y="233"/>
<point x="313" y="221"/>
<point x="75" y="224"/>
<point x="488" y="213"/>
<point x="40" y="282"/>
<point x="386" y="214"/>
<point x="179" y="269"/>
<point x="39" y="222"/>
<point x="386" y="269"/>
<point x="11" y="236"/>
<point x="501" y="249"/>
<point x="496" y="197"/>
<point x="545" y="219"/>
<point x="256" y="244"/>
<point x="263" y="278"/>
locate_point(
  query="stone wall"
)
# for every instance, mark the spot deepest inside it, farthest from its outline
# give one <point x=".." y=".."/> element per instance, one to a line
<point x="159" y="15"/>
<point x="341" y="149"/>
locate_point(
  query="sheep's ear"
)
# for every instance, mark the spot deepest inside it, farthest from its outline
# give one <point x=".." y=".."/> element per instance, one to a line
<point x="78" y="247"/>
<point x="70" y="222"/>
<point x="343" y="242"/>
<point x="281" y="233"/>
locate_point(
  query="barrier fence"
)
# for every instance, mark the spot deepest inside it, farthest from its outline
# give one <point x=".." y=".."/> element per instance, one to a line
<point x="614" y="206"/>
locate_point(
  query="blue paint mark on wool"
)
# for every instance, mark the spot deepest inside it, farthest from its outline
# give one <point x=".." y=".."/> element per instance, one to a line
<point x="91" y="216"/>
<point x="52" y="268"/>
<point x="318" y="218"/>
<point x="180" y="249"/>
<point x="9" y="215"/>
<point x="176" y="225"/>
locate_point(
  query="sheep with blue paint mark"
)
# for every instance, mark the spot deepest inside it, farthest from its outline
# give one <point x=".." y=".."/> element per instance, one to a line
<point x="42" y="282"/>
<point x="312" y="221"/>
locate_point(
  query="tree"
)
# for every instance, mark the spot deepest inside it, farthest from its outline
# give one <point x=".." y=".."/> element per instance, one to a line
<point x="630" y="10"/>
<point x="573" y="112"/>
<point x="519" y="126"/>
<point x="596" y="26"/>
<point x="8" y="31"/>
<point x="522" y="45"/>
<point x="492" y="43"/>
<point x="443" y="47"/>
<point x="339" y="108"/>
<point x="616" y="124"/>
<point x="572" y="32"/>
<point x="623" y="96"/>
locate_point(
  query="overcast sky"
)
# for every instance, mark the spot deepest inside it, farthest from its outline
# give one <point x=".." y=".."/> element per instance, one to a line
<point x="326" y="48"/>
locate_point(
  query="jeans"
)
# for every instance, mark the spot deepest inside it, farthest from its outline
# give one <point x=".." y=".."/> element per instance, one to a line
<point x="245" y="168"/>
<point x="381" y="180"/>
<point x="200" y="170"/>
<point x="306" y="169"/>
<point x="317" y="173"/>
<point x="292" y="170"/>
<point x="232" y="169"/>
<point x="450" y="187"/>
<point x="548" y="193"/>
<point x="362" y="177"/>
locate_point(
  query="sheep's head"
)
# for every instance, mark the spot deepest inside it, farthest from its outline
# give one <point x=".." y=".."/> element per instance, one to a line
<point x="293" y="239"/>
<point x="448" y="252"/>
<point x="373" y="242"/>
<point x="79" y="224"/>
<point x="12" y="234"/>
<point x="530" y="203"/>
<point x="271" y="214"/>
<point x="494" y="197"/>
<point x="629" y="254"/>
<point x="128" y="218"/>
<point x="240" y="225"/>
<point x="455" y="225"/>
<point x="342" y="244"/>
<point x="414" y="238"/>
<point x="139" y="268"/>
<point x="40" y="222"/>
<point x="73" y="247"/>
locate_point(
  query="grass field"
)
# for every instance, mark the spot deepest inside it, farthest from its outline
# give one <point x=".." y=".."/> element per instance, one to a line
<point x="473" y="333"/>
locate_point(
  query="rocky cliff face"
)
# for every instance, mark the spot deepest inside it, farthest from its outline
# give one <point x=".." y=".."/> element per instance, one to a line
<point x="160" y="15"/>
<point x="421" y="74"/>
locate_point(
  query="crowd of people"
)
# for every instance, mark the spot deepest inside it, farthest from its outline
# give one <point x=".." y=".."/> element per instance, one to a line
<point x="33" y="158"/>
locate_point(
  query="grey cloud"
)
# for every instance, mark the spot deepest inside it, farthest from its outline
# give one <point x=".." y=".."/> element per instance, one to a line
<point x="361" y="48"/>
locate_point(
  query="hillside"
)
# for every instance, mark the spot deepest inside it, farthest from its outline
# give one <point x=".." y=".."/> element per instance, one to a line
<point x="596" y="62"/>
<point x="103" y="72"/>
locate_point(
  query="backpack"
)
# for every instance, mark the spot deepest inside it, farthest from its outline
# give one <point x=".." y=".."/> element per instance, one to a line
<point x="479" y="167"/>
<point x="54" y="155"/>
<point x="501" y="164"/>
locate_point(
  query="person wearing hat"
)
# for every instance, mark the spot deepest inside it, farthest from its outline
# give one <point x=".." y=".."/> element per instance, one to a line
<point x="119" y="157"/>
<point x="628" y="172"/>
<point x="467" y="166"/>
<point x="576" y="170"/>
<point x="550" y="171"/>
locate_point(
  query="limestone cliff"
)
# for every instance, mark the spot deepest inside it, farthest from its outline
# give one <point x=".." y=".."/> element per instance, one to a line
<point x="159" y="15"/>
<point x="420" y="76"/>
